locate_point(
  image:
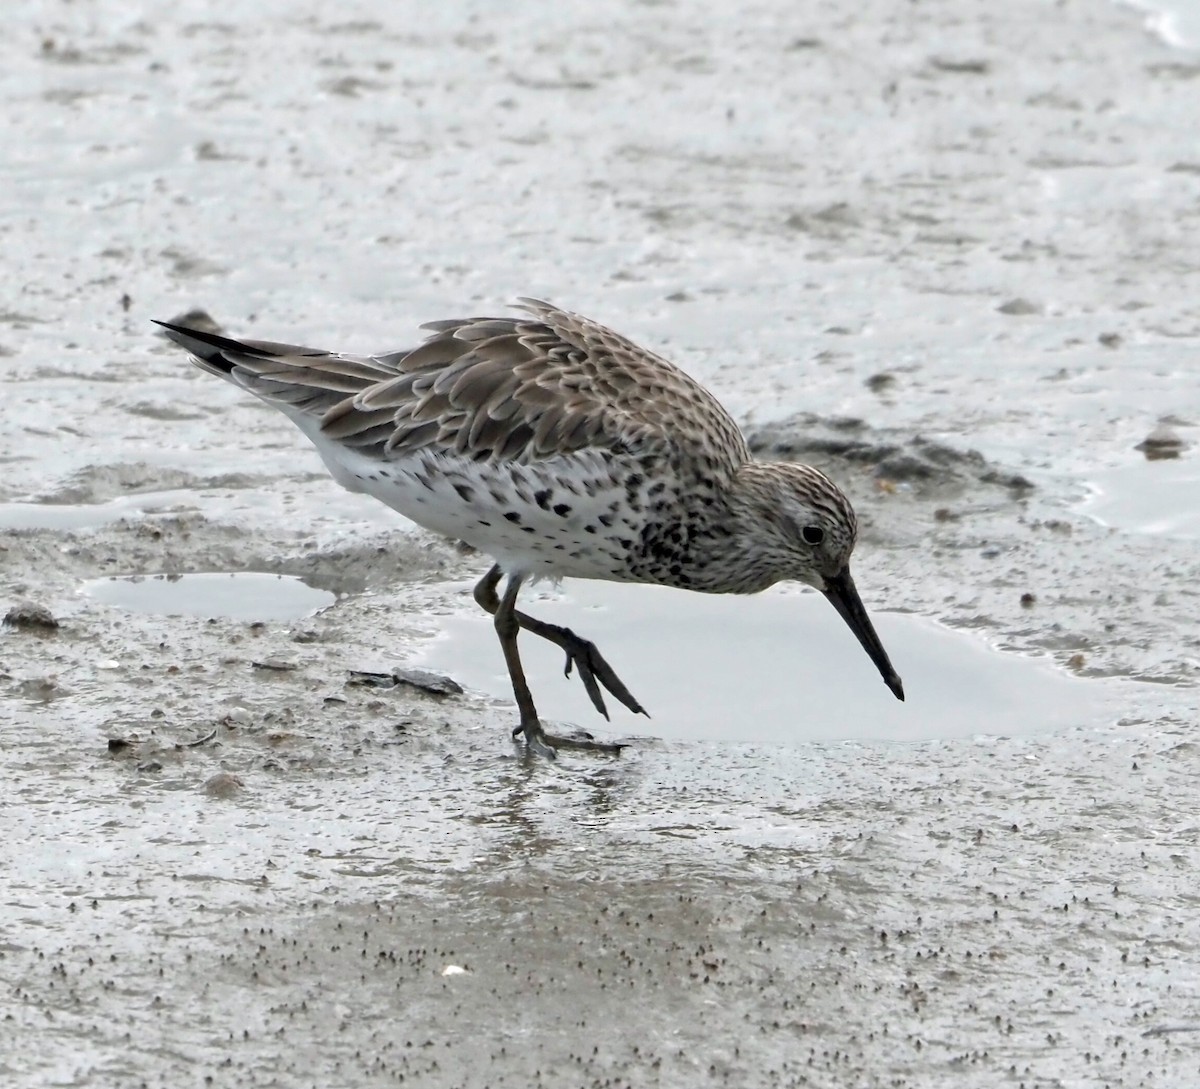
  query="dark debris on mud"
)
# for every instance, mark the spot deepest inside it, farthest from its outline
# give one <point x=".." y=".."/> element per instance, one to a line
<point x="436" y="684"/>
<point x="933" y="469"/>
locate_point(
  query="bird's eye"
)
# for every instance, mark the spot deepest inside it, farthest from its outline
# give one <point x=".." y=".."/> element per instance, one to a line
<point x="812" y="535"/>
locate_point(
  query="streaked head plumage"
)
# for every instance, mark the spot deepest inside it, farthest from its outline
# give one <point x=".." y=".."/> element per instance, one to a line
<point x="802" y="519"/>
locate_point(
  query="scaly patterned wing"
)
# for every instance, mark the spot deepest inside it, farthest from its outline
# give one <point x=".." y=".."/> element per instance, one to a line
<point x="492" y="389"/>
<point x="525" y="389"/>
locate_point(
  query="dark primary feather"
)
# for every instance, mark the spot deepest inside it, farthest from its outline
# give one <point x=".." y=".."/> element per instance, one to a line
<point x="283" y="374"/>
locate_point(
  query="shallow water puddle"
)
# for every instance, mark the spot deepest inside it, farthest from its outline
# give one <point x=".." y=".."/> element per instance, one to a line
<point x="779" y="667"/>
<point x="241" y="595"/>
<point x="1160" y="497"/>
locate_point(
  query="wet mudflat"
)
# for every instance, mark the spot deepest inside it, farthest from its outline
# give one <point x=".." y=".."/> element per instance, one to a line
<point x="946" y="253"/>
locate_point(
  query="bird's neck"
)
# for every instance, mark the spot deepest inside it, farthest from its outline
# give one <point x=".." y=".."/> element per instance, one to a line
<point x="730" y="544"/>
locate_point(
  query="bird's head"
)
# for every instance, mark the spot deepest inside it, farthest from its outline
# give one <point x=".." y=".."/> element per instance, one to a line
<point x="811" y="530"/>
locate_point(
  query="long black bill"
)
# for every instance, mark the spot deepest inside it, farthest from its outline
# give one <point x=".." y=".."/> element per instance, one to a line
<point x="844" y="597"/>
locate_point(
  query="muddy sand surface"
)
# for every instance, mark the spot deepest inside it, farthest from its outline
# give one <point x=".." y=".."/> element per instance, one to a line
<point x="946" y="251"/>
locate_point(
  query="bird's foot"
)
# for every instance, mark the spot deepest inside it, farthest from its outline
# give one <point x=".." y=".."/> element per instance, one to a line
<point x="548" y="745"/>
<point x="594" y="671"/>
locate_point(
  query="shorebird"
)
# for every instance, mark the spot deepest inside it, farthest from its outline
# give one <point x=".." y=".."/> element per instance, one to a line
<point x="562" y="450"/>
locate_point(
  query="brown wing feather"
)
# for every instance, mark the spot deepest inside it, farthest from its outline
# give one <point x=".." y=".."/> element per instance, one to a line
<point x="529" y="388"/>
<point x="522" y="388"/>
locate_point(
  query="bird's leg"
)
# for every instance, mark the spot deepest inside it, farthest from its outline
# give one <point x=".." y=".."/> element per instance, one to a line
<point x="594" y="671"/>
<point x="508" y="625"/>
<point x="507" y="629"/>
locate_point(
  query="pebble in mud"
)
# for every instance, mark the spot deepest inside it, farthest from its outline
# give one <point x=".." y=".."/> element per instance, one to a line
<point x="28" y="616"/>
<point x="274" y="665"/>
<point x="1019" y="308"/>
<point x="1161" y="444"/>
<point x="437" y="684"/>
<point x="199" y="319"/>
<point x="223" y="784"/>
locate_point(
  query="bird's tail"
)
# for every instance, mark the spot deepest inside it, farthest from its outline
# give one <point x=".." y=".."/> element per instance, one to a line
<point x="300" y="381"/>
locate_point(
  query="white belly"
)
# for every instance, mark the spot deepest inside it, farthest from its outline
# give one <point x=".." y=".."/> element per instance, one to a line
<point x="533" y="519"/>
